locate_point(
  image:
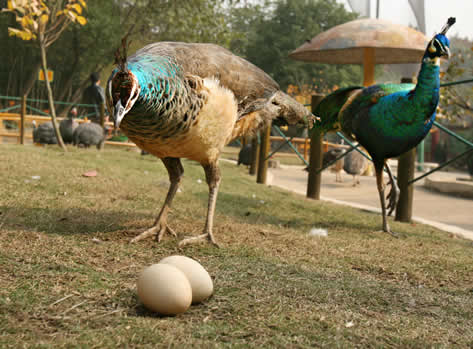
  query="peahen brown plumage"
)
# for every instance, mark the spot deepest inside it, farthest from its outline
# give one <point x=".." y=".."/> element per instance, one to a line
<point x="389" y="119"/>
<point x="181" y="100"/>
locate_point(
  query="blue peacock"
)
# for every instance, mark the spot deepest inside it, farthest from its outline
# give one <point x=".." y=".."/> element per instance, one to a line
<point x="389" y="119"/>
<point x="183" y="100"/>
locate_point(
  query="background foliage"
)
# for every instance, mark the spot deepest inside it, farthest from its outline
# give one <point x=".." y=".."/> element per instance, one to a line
<point x="262" y="31"/>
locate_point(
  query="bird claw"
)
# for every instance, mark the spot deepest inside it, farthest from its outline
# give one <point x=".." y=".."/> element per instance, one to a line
<point x="390" y="232"/>
<point x="158" y="229"/>
<point x="393" y="197"/>
<point x="194" y="239"/>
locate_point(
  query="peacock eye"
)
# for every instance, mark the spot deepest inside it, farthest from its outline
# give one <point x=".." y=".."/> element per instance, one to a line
<point x="432" y="47"/>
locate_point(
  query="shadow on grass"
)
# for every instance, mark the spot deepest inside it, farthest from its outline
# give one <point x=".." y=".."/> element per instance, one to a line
<point x="282" y="210"/>
<point x="68" y="221"/>
<point x="295" y="216"/>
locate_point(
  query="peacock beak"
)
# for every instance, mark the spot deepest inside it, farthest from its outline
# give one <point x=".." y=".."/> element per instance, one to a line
<point x="119" y="113"/>
<point x="446" y="52"/>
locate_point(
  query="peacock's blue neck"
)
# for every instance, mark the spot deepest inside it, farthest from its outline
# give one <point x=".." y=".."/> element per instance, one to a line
<point x="426" y="93"/>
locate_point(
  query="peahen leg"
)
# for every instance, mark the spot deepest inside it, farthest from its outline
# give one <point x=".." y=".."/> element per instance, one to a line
<point x="212" y="175"/>
<point x="393" y="195"/>
<point x="175" y="170"/>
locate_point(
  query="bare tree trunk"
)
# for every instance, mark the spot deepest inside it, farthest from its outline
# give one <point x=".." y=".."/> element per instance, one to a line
<point x="60" y="142"/>
<point x="32" y="79"/>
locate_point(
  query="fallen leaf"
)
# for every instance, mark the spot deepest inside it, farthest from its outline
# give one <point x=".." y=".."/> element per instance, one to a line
<point x="92" y="173"/>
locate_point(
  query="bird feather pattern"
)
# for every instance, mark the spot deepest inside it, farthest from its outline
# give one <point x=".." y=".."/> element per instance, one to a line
<point x="183" y="100"/>
<point x="389" y="119"/>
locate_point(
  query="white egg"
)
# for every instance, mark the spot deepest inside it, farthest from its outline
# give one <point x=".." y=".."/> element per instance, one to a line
<point x="164" y="289"/>
<point x="200" y="280"/>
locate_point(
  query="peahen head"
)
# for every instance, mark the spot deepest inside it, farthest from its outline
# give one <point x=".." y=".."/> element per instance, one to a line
<point x="124" y="88"/>
<point x="439" y="46"/>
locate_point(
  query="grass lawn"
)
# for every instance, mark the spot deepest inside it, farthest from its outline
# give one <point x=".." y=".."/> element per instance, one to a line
<point x="68" y="273"/>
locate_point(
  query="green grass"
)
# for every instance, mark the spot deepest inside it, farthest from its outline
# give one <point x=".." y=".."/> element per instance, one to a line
<point x="68" y="274"/>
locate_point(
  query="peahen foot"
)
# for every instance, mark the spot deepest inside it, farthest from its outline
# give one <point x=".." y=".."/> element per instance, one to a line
<point x="198" y="238"/>
<point x="160" y="227"/>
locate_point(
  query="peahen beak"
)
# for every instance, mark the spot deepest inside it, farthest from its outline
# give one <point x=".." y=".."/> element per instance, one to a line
<point x="119" y="113"/>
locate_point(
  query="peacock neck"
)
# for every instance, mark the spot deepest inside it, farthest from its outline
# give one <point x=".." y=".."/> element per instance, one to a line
<point x="426" y="93"/>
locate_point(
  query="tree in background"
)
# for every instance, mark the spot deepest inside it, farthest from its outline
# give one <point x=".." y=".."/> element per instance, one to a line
<point x="82" y="50"/>
<point x="275" y="28"/>
<point x="456" y="103"/>
<point x="44" y="25"/>
<point x="262" y="31"/>
<point x="458" y="100"/>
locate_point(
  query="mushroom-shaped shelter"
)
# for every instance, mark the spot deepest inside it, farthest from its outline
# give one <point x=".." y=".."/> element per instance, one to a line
<point x="364" y="41"/>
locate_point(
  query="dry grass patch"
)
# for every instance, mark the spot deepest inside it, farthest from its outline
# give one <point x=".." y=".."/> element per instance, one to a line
<point x="68" y="273"/>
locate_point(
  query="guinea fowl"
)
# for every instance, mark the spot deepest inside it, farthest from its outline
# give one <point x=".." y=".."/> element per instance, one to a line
<point x="389" y="119"/>
<point x="355" y="164"/>
<point x="185" y="100"/>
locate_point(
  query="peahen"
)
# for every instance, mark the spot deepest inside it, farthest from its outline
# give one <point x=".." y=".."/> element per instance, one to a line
<point x="182" y="100"/>
<point x="388" y="119"/>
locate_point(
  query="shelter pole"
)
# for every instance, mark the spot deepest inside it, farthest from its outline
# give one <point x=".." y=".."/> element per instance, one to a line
<point x="368" y="66"/>
<point x="315" y="156"/>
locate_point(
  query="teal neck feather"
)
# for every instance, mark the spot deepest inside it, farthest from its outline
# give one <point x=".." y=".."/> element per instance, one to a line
<point x="427" y="89"/>
<point x="166" y="106"/>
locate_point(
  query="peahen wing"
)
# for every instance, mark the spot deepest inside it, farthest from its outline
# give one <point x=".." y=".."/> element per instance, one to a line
<point x="250" y="85"/>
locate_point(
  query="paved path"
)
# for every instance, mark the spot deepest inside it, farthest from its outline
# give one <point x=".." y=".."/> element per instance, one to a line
<point x="446" y="212"/>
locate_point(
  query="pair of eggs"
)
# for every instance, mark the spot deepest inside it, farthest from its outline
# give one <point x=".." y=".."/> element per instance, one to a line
<point x="172" y="285"/>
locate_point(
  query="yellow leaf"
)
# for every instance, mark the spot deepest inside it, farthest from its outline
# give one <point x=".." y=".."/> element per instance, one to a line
<point x="44" y="19"/>
<point x="83" y="3"/>
<point x="23" y="22"/>
<point x="22" y="34"/>
<point x="81" y="20"/>
<point x="10" y="5"/>
<point x="78" y="8"/>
